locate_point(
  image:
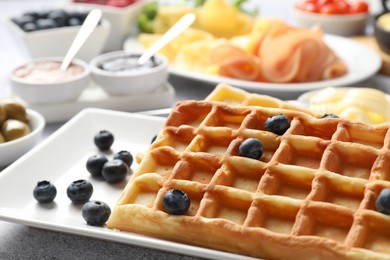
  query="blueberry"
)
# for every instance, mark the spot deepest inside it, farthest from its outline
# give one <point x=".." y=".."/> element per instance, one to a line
<point x="277" y="124"/>
<point x="46" y="24"/>
<point x="114" y="171"/>
<point x="44" y="13"/>
<point x="73" y="21"/>
<point x="29" y="27"/>
<point x="383" y="201"/>
<point x="21" y="21"/>
<point x="95" y="165"/>
<point x="79" y="191"/>
<point x="59" y="16"/>
<point x="104" y="139"/>
<point x="125" y="156"/>
<point x="82" y="16"/>
<point x="73" y="14"/>
<point x="95" y="213"/>
<point x="251" y="148"/>
<point x="176" y="202"/>
<point x="44" y="192"/>
<point x="329" y="116"/>
<point x="33" y="14"/>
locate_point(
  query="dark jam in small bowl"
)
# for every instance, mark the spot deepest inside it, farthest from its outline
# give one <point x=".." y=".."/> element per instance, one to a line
<point x="119" y="73"/>
<point x="127" y="63"/>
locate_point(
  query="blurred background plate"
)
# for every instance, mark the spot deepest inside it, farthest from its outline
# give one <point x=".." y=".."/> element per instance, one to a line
<point x="362" y="63"/>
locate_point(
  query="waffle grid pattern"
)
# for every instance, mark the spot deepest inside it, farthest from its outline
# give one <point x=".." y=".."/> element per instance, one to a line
<point x="312" y="193"/>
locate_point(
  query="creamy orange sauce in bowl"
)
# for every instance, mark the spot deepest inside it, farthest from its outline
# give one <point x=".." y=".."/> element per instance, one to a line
<point x="47" y="72"/>
<point x="42" y="80"/>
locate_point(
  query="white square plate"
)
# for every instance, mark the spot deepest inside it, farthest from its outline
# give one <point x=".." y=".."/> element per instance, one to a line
<point x="61" y="159"/>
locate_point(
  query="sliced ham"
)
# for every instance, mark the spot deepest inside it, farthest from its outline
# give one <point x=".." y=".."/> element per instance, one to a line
<point x="284" y="54"/>
<point x="299" y="55"/>
<point x="235" y="63"/>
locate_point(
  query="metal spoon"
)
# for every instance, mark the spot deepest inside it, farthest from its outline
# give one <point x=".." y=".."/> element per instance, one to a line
<point x="86" y="29"/>
<point x="172" y="33"/>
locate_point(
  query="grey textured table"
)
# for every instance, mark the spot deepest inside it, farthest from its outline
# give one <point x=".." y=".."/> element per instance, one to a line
<point x="23" y="242"/>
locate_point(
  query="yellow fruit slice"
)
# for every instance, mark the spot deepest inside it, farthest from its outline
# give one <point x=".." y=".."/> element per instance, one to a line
<point x="171" y="49"/>
<point x="167" y="16"/>
<point x="328" y="95"/>
<point x="221" y="19"/>
<point x="195" y="55"/>
<point x="354" y="113"/>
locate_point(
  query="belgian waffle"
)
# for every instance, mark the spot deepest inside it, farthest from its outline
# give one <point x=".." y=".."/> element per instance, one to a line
<point x="310" y="196"/>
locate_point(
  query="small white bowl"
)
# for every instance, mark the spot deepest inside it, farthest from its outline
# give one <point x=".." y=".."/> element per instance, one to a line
<point x="122" y="20"/>
<point x="382" y="31"/>
<point x="56" y="42"/>
<point x="13" y="150"/>
<point x="50" y="92"/>
<point x="129" y="82"/>
<point x="338" y="24"/>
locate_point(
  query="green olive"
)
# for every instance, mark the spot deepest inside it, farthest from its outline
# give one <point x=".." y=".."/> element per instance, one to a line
<point x="14" y="110"/>
<point x="13" y="129"/>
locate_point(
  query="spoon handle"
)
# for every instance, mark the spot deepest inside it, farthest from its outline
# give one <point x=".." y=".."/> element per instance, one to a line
<point x="174" y="31"/>
<point x="86" y="29"/>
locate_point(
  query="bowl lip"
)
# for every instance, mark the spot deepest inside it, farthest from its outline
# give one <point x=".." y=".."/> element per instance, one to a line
<point x="380" y="34"/>
<point x="32" y="116"/>
<point x="97" y="71"/>
<point x="356" y="16"/>
<point x="27" y="83"/>
<point x="111" y="9"/>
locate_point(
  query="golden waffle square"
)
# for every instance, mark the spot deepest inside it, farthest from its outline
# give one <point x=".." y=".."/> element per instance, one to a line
<point x="310" y="196"/>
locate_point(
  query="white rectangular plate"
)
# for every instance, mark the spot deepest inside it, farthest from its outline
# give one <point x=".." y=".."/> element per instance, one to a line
<point x="61" y="159"/>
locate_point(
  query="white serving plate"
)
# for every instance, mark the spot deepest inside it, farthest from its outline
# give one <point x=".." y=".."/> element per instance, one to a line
<point x="61" y="159"/>
<point x="362" y="63"/>
<point x="95" y="97"/>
